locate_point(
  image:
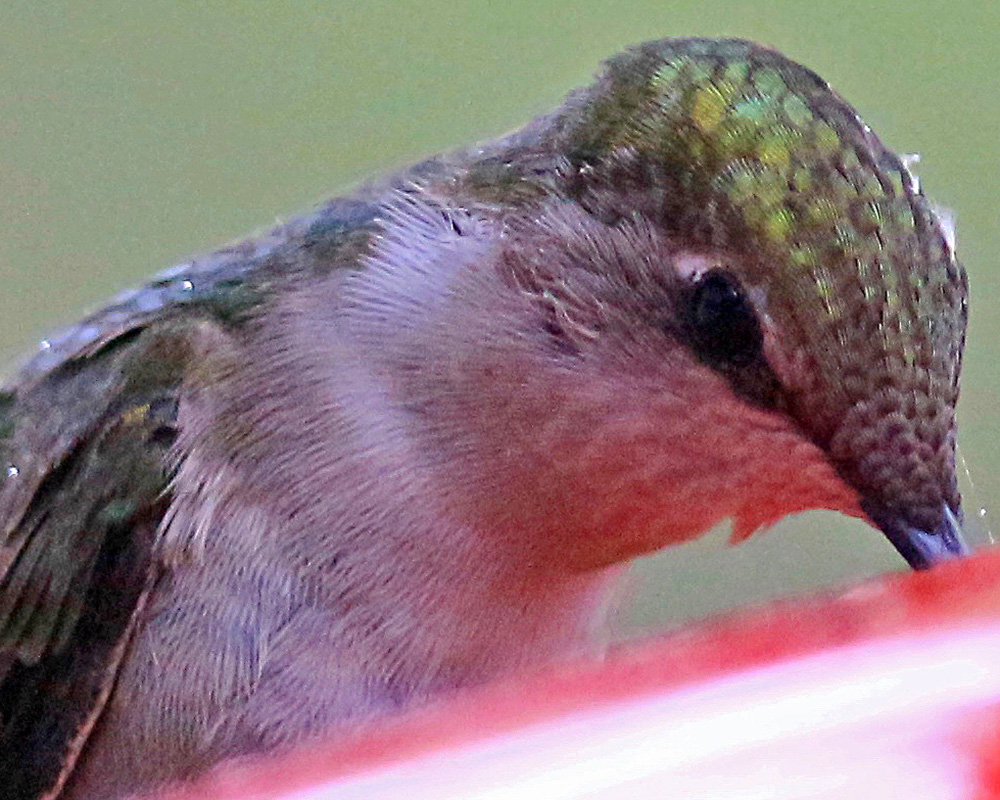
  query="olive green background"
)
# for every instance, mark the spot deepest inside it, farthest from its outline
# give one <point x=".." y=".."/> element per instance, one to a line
<point x="136" y="134"/>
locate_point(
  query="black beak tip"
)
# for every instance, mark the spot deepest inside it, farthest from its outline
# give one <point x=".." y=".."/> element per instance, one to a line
<point x="923" y="549"/>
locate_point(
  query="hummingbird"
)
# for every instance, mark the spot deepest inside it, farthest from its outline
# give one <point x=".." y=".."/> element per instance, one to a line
<point x="405" y="443"/>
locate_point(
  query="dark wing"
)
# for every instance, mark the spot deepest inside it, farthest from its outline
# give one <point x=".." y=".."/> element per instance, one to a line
<point x="86" y="467"/>
<point x="85" y="462"/>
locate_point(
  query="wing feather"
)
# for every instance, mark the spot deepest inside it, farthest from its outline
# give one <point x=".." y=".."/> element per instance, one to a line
<point x="78" y="554"/>
<point x="86" y="430"/>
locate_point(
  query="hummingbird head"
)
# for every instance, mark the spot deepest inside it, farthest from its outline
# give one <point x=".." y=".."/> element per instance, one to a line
<point x="772" y="306"/>
<point x="814" y="274"/>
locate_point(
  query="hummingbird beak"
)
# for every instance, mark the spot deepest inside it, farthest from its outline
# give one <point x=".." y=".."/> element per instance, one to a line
<point x="923" y="549"/>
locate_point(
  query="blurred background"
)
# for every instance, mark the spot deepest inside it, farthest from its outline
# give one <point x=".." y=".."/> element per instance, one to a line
<point x="135" y="135"/>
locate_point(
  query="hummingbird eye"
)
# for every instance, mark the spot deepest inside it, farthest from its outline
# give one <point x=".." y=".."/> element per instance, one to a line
<point x="724" y="328"/>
